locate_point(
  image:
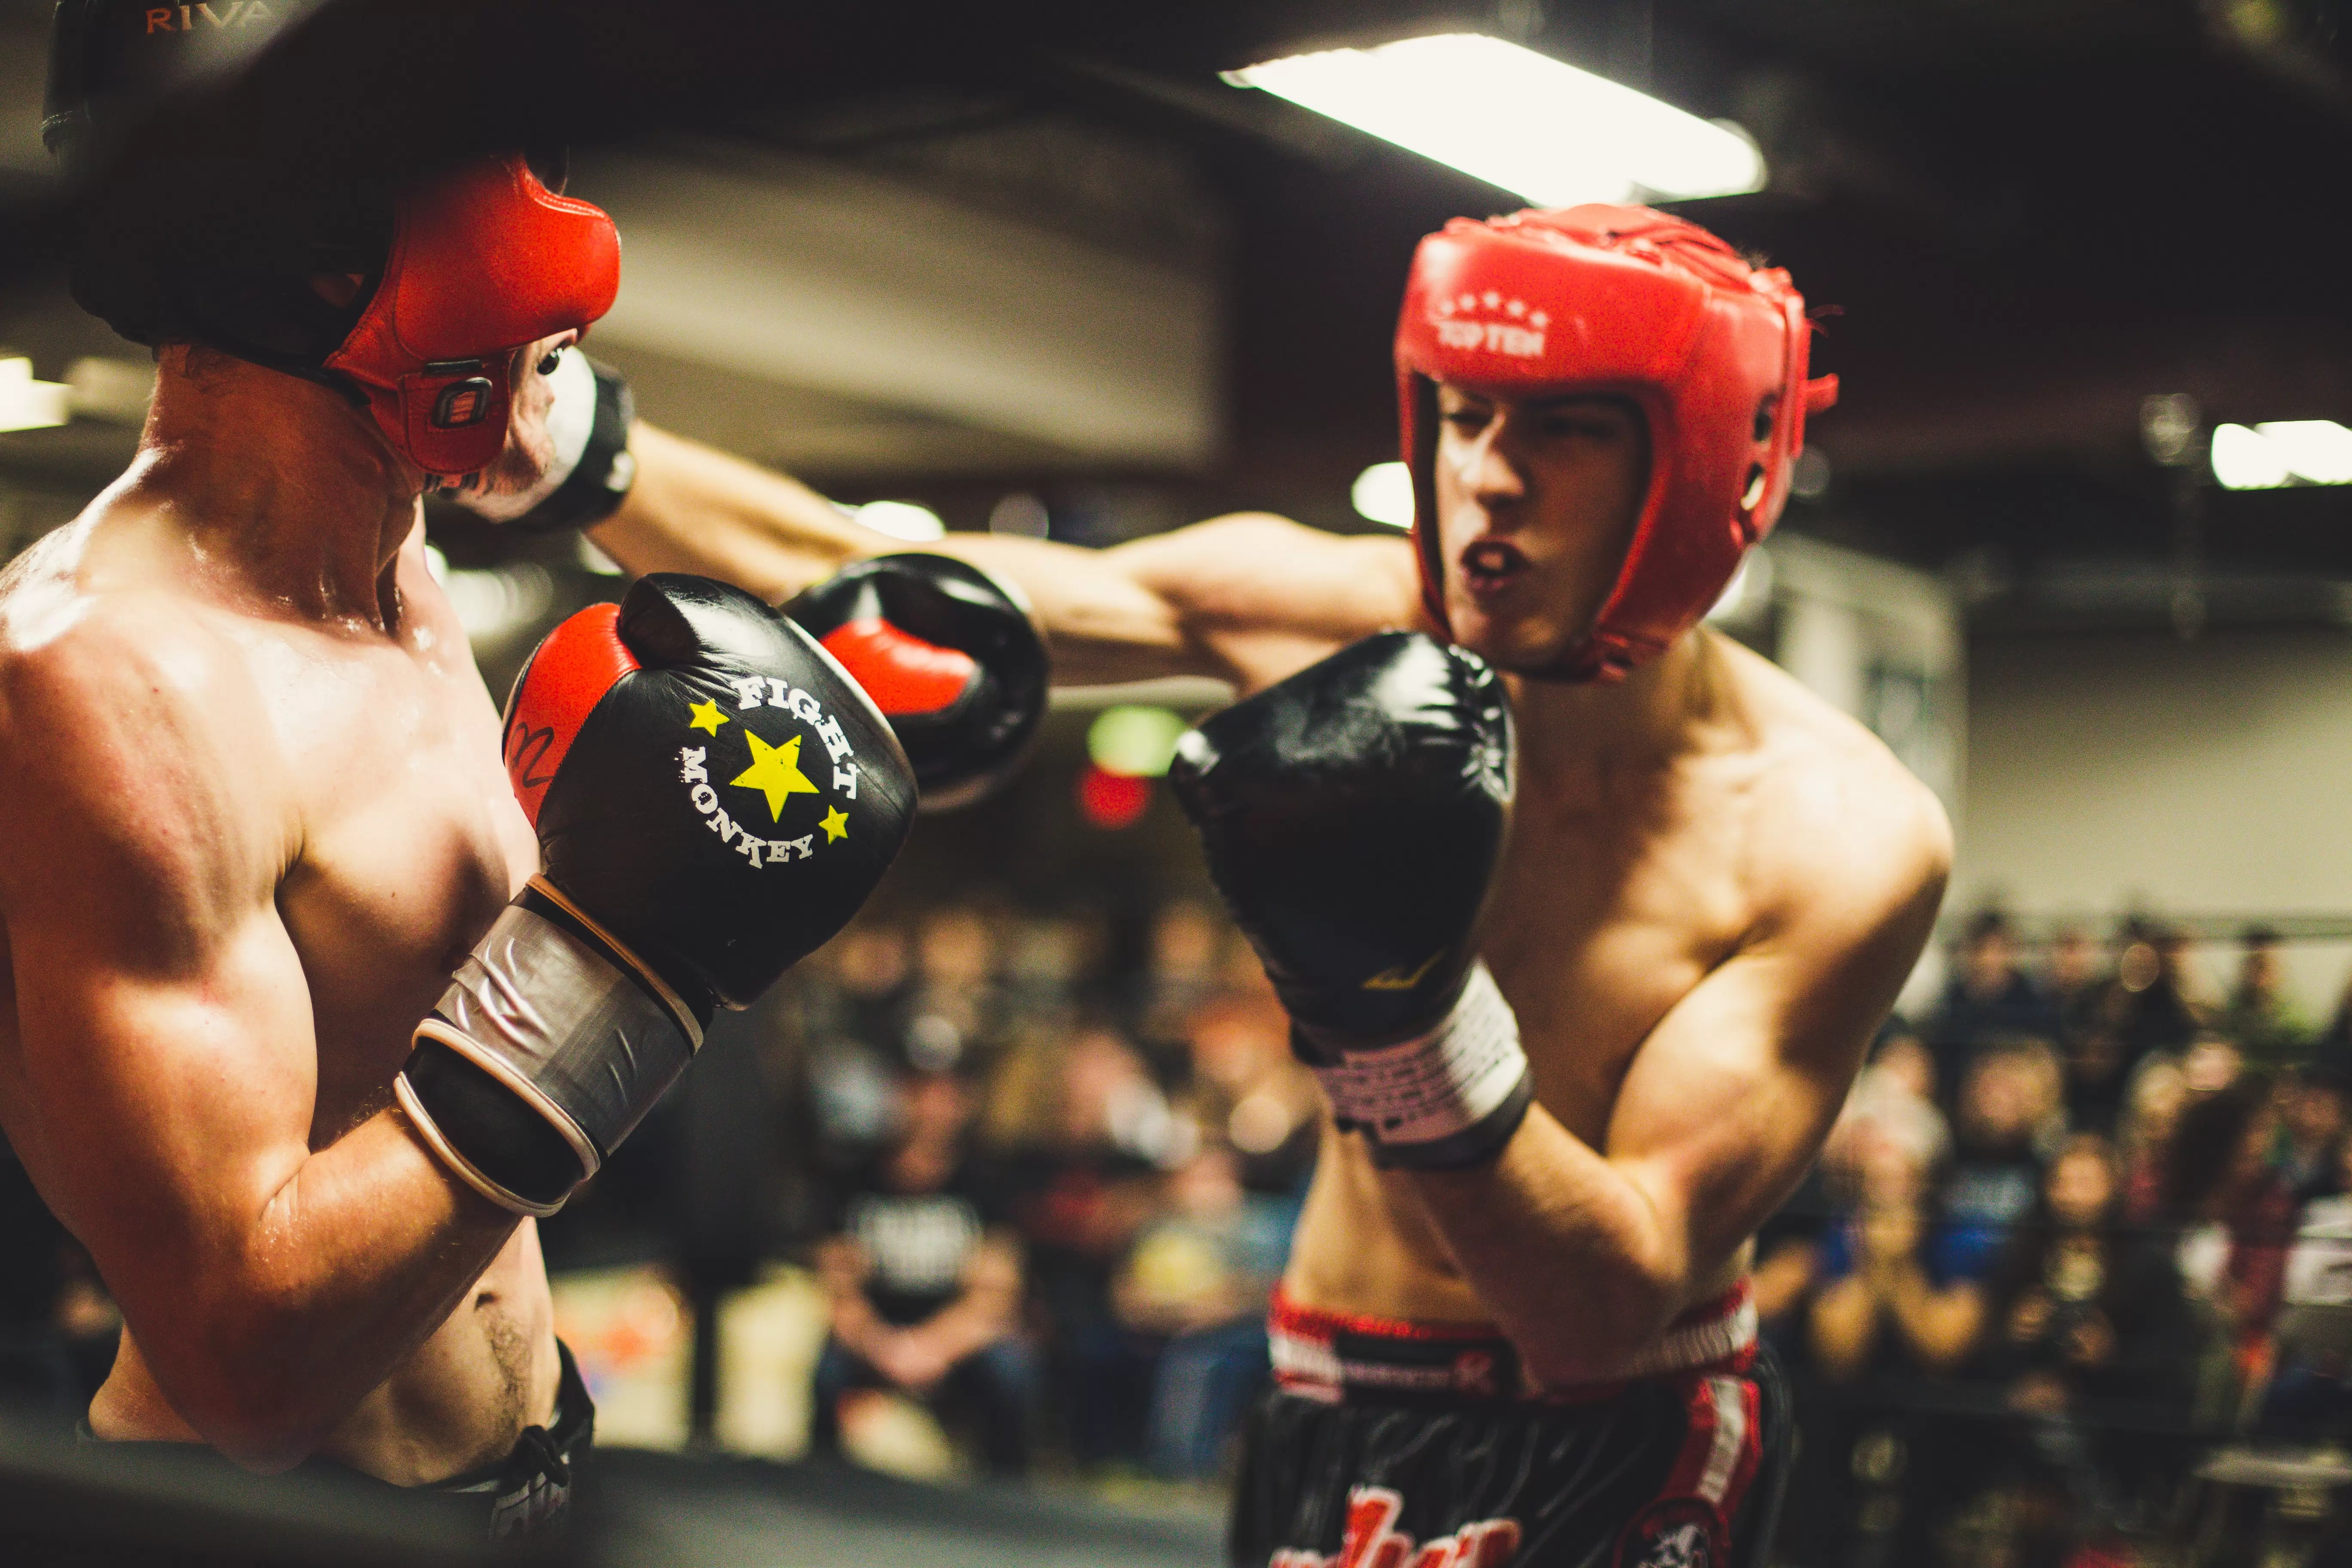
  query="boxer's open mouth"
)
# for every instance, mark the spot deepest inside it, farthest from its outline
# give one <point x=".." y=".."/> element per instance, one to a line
<point x="1491" y="565"/>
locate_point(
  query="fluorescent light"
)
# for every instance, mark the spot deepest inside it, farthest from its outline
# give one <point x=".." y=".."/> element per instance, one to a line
<point x="2317" y="450"/>
<point x="2282" y="452"/>
<point x="26" y="403"/>
<point x="902" y="520"/>
<point x="1533" y="125"/>
<point x="1383" y="493"/>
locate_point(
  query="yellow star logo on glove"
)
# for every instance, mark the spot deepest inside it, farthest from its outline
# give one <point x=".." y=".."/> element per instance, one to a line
<point x="836" y="825"/>
<point x="707" y="718"/>
<point x="775" y="772"/>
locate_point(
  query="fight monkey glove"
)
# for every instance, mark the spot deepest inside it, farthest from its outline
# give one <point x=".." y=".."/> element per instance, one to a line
<point x="949" y="653"/>
<point x="714" y="798"/>
<point x="1352" y="816"/>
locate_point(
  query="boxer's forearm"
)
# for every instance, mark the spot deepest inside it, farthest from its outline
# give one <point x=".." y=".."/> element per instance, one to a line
<point x="1573" y="1258"/>
<point x="696" y="508"/>
<point x="364" y="1251"/>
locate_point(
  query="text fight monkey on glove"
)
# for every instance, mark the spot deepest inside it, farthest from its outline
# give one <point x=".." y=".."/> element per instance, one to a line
<point x="659" y="748"/>
<point x="950" y="653"/>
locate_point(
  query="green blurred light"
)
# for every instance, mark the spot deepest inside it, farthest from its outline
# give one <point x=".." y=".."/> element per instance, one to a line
<point x="1135" y="741"/>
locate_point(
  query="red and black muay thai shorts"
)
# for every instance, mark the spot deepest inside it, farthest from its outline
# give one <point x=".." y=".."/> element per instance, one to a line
<point x="1403" y="1444"/>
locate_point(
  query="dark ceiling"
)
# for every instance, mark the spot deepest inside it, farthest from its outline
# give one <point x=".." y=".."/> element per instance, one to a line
<point x="2020" y="216"/>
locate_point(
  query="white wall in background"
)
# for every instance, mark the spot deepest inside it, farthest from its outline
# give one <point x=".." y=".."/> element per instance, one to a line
<point x="2207" y="777"/>
<point x="816" y="275"/>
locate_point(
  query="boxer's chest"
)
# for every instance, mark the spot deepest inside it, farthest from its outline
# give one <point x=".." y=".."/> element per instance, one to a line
<point x="411" y="837"/>
<point x="1600" y="925"/>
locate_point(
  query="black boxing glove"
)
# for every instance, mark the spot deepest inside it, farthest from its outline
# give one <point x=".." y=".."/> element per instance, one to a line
<point x="949" y="655"/>
<point x="714" y="798"/>
<point x="1352" y="816"/>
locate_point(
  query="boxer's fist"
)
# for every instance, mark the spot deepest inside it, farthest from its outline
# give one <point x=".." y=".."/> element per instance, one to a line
<point x="948" y="653"/>
<point x="714" y="798"/>
<point x="1352" y="816"/>
<point x="706" y="783"/>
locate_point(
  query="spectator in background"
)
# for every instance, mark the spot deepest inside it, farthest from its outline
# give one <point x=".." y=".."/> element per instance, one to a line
<point x="2313" y="1124"/>
<point x="1885" y="1315"/>
<point x="2259" y="1016"/>
<point x="2097" y="1078"/>
<point x="850" y="998"/>
<point x="2080" y="1307"/>
<point x="1197" y="1282"/>
<point x="1182" y="974"/>
<point x="1084" y="1133"/>
<point x="2238" y="1214"/>
<point x="1889" y="1125"/>
<point x="2074" y="978"/>
<point x="2150" y="1004"/>
<point x="2088" y="1334"/>
<point x="923" y="1287"/>
<point x="1990" y="998"/>
<point x="2010" y="1109"/>
<point x="2151" y="1115"/>
<point x="1248" y="1085"/>
<point x="2310" y="1394"/>
<point x="955" y="1012"/>
<point x="1048" y="969"/>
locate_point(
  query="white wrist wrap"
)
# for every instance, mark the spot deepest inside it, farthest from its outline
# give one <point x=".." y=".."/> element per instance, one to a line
<point x="570" y="422"/>
<point x="1440" y="1086"/>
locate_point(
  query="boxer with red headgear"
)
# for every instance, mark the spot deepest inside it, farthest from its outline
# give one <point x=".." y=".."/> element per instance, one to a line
<point x="1622" y="303"/>
<point x="320" y="985"/>
<point x="1583" y="922"/>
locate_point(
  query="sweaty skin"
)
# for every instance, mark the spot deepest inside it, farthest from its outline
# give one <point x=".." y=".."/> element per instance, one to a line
<point x="1715" y="884"/>
<point x="252" y="813"/>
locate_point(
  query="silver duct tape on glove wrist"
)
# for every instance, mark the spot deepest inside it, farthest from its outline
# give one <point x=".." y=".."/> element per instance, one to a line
<point x="560" y="1024"/>
<point x="1451" y="1096"/>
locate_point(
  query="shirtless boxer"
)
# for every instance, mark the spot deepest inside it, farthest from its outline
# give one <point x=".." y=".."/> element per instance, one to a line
<point x="253" y="816"/>
<point x="1516" y="1333"/>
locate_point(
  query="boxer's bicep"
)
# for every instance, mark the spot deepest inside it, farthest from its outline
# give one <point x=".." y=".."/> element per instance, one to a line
<point x="163" y="1016"/>
<point x="1727" y="1101"/>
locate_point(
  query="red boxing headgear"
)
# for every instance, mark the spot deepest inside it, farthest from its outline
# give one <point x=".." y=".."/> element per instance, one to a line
<point x="1627" y="302"/>
<point x="484" y="260"/>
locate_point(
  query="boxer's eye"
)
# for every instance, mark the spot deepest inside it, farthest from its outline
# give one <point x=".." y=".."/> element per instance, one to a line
<point x="553" y="358"/>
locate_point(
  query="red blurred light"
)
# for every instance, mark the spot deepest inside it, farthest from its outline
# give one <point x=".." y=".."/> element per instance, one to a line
<point x="1111" y="801"/>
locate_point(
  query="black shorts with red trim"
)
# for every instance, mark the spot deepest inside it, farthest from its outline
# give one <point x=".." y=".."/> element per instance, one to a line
<point x="1680" y="1469"/>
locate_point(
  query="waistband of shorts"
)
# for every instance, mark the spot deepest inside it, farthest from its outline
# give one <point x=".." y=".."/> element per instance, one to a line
<point x="1333" y="1356"/>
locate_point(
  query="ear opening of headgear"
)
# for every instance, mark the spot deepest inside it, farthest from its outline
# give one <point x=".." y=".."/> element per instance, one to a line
<point x="1629" y="302"/>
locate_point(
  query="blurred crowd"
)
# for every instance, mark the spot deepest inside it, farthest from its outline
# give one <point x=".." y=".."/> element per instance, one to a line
<point x="1051" y="1190"/>
<point x="2078" y="1223"/>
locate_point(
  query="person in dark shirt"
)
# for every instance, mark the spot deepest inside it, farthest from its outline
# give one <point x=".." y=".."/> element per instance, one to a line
<point x="2008" y="1102"/>
<point x="2082" y="1308"/>
<point x="1990" y="997"/>
<point x="923" y="1286"/>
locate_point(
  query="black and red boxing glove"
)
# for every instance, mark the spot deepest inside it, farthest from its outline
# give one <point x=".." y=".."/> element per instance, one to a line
<point x="1352" y="816"/>
<point x="949" y="654"/>
<point x="714" y="798"/>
